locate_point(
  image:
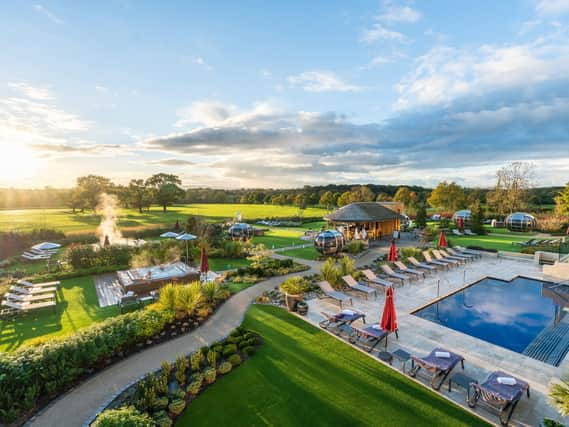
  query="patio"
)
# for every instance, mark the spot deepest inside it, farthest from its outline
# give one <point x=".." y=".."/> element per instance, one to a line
<point x="418" y="336"/>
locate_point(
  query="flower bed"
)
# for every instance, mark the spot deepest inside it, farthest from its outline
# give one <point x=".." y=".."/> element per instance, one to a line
<point x="160" y="397"/>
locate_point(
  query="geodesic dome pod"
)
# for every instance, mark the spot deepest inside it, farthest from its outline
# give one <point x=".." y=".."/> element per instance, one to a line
<point x="520" y="221"/>
<point x="240" y="230"/>
<point x="465" y="215"/>
<point x="329" y="242"/>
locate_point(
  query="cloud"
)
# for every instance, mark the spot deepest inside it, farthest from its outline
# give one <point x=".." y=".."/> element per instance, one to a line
<point x="63" y="150"/>
<point x="266" y="74"/>
<point x="379" y="32"/>
<point x="171" y="162"/>
<point x="321" y="81"/>
<point x="398" y="14"/>
<point x="552" y="7"/>
<point x="50" y="15"/>
<point x="198" y="60"/>
<point x="101" y="89"/>
<point x="33" y="92"/>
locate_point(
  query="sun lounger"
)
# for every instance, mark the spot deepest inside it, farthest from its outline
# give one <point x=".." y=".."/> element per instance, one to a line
<point x="369" y="337"/>
<point x="422" y="265"/>
<point x="373" y="279"/>
<point x="32" y="257"/>
<point x="439" y="367"/>
<point x="468" y="251"/>
<point x="38" y="285"/>
<point x="31" y="291"/>
<point x="358" y="287"/>
<point x="26" y="306"/>
<point x="404" y="269"/>
<point x="335" y="322"/>
<point x="431" y="261"/>
<point x="531" y="242"/>
<point x="502" y="397"/>
<point x="451" y="251"/>
<point x="29" y="298"/>
<point x="462" y="258"/>
<point x="469" y="232"/>
<point x="387" y="270"/>
<point x="329" y="292"/>
<point x="442" y="258"/>
<point x="456" y="232"/>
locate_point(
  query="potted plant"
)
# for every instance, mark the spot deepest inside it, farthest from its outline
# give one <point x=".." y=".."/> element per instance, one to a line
<point x="559" y="397"/>
<point x="294" y="289"/>
<point x="302" y="307"/>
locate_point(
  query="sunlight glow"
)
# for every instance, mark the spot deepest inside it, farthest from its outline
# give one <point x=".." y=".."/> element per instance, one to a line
<point x="17" y="162"/>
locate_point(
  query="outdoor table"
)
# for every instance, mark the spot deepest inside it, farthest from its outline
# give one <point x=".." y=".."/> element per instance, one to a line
<point x="463" y="381"/>
<point x="403" y="357"/>
<point x="385" y="356"/>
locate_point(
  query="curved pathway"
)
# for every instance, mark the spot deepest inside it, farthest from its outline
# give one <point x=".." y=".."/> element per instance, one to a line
<point x="75" y="407"/>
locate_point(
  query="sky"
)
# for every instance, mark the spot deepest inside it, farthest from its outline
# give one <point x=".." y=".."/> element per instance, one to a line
<point x="283" y="94"/>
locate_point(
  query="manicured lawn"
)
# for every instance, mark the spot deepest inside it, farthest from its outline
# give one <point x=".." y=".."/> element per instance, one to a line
<point x="302" y="376"/>
<point x="280" y="237"/>
<point x="490" y="241"/>
<point x="305" y="253"/>
<point x="77" y="307"/>
<point x="505" y="231"/>
<point x="64" y="220"/>
<point x="238" y="287"/>
<point x="220" y="264"/>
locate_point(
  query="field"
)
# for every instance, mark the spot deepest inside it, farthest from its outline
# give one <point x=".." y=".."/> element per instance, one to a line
<point x="305" y="253"/>
<point x="303" y="376"/>
<point x="77" y="307"/>
<point x="64" y="220"/>
<point x="280" y="238"/>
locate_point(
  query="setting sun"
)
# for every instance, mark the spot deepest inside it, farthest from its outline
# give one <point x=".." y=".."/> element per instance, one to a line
<point x="17" y="162"/>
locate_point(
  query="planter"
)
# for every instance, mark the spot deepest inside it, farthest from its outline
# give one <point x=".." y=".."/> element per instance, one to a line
<point x="291" y="301"/>
<point x="302" y="308"/>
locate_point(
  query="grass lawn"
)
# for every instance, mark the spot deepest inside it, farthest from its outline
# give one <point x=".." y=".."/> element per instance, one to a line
<point x="305" y="253"/>
<point x="220" y="264"/>
<point x="64" y="220"/>
<point x="238" y="287"/>
<point x="303" y="376"/>
<point x="490" y="241"/>
<point x="505" y="231"/>
<point x="77" y="307"/>
<point x="280" y="237"/>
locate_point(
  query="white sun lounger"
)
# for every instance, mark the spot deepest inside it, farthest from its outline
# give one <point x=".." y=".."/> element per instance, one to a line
<point x="358" y="287"/>
<point x="429" y="260"/>
<point x="387" y="270"/>
<point x="469" y="251"/>
<point x="330" y="292"/>
<point x="26" y="306"/>
<point x="38" y="285"/>
<point x="31" y="291"/>
<point x="29" y="298"/>
<point x="425" y="266"/>
<point x="469" y="232"/>
<point x="439" y="256"/>
<point x="373" y="279"/>
<point x="451" y="251"/>
<point x="456" y="232"/>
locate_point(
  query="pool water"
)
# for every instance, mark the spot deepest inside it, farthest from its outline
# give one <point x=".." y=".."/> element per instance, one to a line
<point x="508" y="314"/>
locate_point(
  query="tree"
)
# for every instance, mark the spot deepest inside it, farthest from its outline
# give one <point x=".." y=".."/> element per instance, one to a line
<point x="165" y="189"/>
<point x="477" y="217"/>
<point x="328" y="199"/>
<point x="89" y="188"/>
<point x="421" y="219"/>
<point x="562" y="201"/>
<point x="72" y="199"/>
<point x="383" y="197"/>
<point x="447" y="196"/>
<point x="139" y="194"/>
<point x="300" y="200"/>
<point x="407" y="197"/>
<point x="511" y="192"/>
<point x="345" y="199"/>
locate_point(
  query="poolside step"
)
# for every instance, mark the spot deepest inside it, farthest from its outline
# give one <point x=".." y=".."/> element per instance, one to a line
<point x="551" y="345"/>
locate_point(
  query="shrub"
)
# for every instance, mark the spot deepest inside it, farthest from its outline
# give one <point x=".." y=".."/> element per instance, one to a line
<point x="414" y="252"/>
<point x="296" y="285"/>
<point x="86" y="256"/>
<point x="195" y="360"/>
<point x="177" y="393"/>
<point x="244" y="343"/>
<point x="234" y="340"/>
<point x="181" y="366"/>
<point x="166" y="368"/>
<point x="212" y="359"/>
<point x="355" y="247"/>
<point x="162" y="419"/>
<point x="188" y="298"/>
<point x="235" y="360"/>
<point x="209" y="375"/>
<point x="162" y="384"/>
<point x="225" y="368"/>
<point x="197" y="377"/>
<point x="346" y="266"/>
<point x="330" y="271"/>
<point x="229" y="349"/>
<point x="194" y="388"/>
<point x="213" y="292"/>
<point x="123" y="417"/>
<point x="167" y="297"/>
<point x="177" y="406"/>
<point x="249" y="350"/>
<point x="161" y="403"/>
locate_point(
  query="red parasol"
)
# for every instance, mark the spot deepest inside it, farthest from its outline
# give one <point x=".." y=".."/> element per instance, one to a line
<point x="177" y="226"/>
<point x="442" y="240"/>
<point x="204" y="263"/>
<point x="392" y="256"/>
<point x="389" y="318"/>
<point x="460" y="223"/>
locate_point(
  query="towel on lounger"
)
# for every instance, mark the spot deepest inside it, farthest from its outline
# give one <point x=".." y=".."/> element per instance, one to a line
<point x="376" y="326"/>
<point x="506" y="380"/>
<point x="442" y="354"/>
<point x="348" y="312"/>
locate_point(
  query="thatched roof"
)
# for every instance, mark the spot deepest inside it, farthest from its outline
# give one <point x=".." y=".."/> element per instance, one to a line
<point x="362" y="212"/>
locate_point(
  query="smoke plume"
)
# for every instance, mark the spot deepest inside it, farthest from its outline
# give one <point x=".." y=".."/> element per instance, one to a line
<point x="108" y="207"/>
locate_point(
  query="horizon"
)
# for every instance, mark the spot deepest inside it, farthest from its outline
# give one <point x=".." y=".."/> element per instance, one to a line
<point x="257" y="96"/>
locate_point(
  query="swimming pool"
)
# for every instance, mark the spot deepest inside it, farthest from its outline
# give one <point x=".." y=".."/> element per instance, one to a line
<point x="523" y="315"/>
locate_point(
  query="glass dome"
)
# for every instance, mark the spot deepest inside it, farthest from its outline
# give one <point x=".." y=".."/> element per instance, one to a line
<point x="520" y="221"/>
<point x="240" y="231"/>
<point x="329" y="242"/>
<point x="464" y="215"/>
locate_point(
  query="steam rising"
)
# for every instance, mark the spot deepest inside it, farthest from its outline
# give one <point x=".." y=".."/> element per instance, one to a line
<point x="108" y="207"/>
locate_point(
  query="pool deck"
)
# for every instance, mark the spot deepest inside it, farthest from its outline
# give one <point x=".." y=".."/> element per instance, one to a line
<point x="419" y="336"/>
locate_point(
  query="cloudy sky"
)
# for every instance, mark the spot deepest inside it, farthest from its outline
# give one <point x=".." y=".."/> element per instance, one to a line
<point x="282" y="94"/>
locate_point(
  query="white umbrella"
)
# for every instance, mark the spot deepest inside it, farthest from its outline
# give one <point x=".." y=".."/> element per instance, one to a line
<point x="364" y="234"/>
<point x="169" y="235"/>
<point x="187" y="237"/>
<point x="357" y="234"/>
<point x="46" y="246"/>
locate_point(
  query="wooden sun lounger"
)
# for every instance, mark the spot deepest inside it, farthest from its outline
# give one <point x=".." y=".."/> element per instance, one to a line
<point x="440" y="257"/>
<point x="330" y="292"/>
<point x="387" y="270"/>
<point x="31" y="291"/>
<point x="25" y="306"/>
<point x="373" y="279"/>
<point x="429" y="268"/>
<point x="432" y="261"/>
<point x="404" y="269"/>
<point x="461" y="258"/>
<point x="336" y="322"/>
<point x="39" y="285"/>
<point x="29" y="298"/>
<point x="369" y="337"/>
<point x="439" y="367"/>
<point x="469" y="251"/>
<point x="358" y="287"/>
<point x="451" y="251"/>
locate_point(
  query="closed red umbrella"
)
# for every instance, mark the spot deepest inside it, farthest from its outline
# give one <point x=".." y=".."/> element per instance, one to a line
<point x="389" y="317"/>
<point x="177" y="226"/>
<point x="568" y="231"/>
<point x="460" y="223"/>
<point x="392" y="256"/>
<point x="204" y="263"/>
<point x="442" y="240"/>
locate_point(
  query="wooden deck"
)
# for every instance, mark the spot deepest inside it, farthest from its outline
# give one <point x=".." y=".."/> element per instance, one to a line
<point x="109" y="290"/>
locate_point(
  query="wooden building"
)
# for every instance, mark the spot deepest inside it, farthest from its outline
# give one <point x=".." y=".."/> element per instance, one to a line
<point x="377" y="220"/>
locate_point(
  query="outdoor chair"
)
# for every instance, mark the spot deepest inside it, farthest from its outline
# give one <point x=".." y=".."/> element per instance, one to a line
<point x="431" y="261"/>
<point x="38" y="285"/>
<point x="468" y="251"/>
<point x="456" y="232"/>
<point x="402" y="268"/>
<point x="31" y="291"/>
<point x="469" y="232"/>
<point x="358" y="287"/>
<point x="437" y="364"/>
<point x="373" y="279"/>
<point x="442" y="258"/>
<point x="461" y="258"/>
<point x="330" y="292"/>
<point x="29" y="298"/>
<point x="369" y="337"/>
<point x="422" y="265"/>
<point x="336" y="322"/>
<point x="26" y="306"/>
<point x="498" y="395"/>
<point x="387" y="270"/>
<point x="451" y="251"/>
